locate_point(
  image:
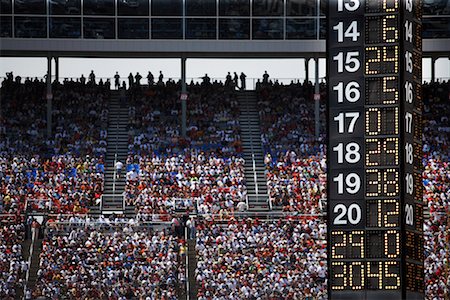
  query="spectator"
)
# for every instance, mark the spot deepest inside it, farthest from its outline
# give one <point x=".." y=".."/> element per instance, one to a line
<point x="265" y="78"/>
<point x="235" y="80"/>
<point x="150" y="79"/>
<point x="242" y="77"/>
<point x="118" y="166"/>
<point x="130" y="80"/>
<point x="92" y="77"/>
<point x="138" y="78"/>
<point x="117" y="80"/>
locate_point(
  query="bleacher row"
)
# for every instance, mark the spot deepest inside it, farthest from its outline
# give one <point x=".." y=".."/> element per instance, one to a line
<point x="237" y="258"/>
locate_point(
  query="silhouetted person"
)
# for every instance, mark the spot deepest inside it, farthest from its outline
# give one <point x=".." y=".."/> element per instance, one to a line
<point x="228" y="79"/>
<point x="92" y="77"/>
<point x="150" y="79"/>
<point x="117" y="80"/>
<point x="130" y="80"/>
<point x="265" y="78"/>
<point x="206" y="80"/>
<point x="243" y="77"/>
<point x="138" y="78"/>
<point x="161" y="77"/>
<point x="235" y="79"/>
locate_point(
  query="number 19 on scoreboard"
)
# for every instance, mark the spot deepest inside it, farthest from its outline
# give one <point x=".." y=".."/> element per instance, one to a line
<point x="375" y="220"/>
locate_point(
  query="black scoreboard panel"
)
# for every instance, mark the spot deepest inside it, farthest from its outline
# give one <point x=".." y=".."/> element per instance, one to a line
<point x="374" y="149"/>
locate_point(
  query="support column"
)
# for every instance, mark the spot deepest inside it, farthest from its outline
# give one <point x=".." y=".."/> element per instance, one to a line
<point x="306" y="69"/>
<point x="49" y="96"/>
<point x="317" y="100"/>
<point x="183" y="96"/>
<point x="57" y="69"/>
<point x="433" y="69"/>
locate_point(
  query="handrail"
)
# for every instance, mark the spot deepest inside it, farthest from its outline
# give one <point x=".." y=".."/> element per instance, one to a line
<point x="34" y="231"/>
<point x="114" y="167"/>
<point x="270" y="202"/>
<point x="187" y="263"/>
<point x="255" y="179"/>
<point x="123" y="203"/>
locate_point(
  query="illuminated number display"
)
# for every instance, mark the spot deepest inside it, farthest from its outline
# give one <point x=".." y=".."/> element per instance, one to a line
<point x="374" y="149"/>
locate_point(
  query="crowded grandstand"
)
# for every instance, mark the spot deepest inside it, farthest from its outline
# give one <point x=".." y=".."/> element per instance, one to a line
<point x="188" y="229"/>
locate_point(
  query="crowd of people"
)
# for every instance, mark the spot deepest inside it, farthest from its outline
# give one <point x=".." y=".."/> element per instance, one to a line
<point x="295" y="159"/>
<point x="126" y="262"/>
<point x="166" y="172"/>
<point x="252" y="259"/>
<point x="436" y="182"/>
<point x="61" y="173"/>
<point x="203" y="170"/>
<point x="60" y="184"/>
<point x="213" y="184"/>
<point x="12" y="265"/>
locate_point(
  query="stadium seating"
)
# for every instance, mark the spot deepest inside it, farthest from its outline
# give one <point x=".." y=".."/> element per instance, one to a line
<point x="252" y="259"/>
<point x="166" y="175"/>
<point x="204" y="170"/>
<point x="111" y="263"/>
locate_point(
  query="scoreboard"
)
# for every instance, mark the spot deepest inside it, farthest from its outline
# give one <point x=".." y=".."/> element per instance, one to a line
<point x="375" y="213"/>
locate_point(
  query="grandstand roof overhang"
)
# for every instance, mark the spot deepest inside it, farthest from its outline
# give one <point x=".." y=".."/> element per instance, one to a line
<point x="188" y="48"/>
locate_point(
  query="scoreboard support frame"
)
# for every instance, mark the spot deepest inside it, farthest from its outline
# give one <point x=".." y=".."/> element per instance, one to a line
<point x="375" y="205"/>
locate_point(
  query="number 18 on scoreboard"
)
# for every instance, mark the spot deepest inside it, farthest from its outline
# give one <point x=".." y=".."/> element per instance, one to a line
<point x="375" y="210"/>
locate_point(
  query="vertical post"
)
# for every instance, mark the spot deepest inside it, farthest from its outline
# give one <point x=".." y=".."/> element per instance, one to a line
<point x="306" y="69"/>
<point x="433" y="69"/>
<point x="57" y="69"/>
<point x="184" y="94"/>
<point x="49" y="96"/>
<point x="317" y="100"/>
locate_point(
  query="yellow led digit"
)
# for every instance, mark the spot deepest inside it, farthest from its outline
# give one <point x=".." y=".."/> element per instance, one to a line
<point x="356" y="285"/>
<point x="394" y="212"/>
<point x="390" y="147"/>
<point x="393" y="276"/>
<point x="342" y="244"/>
<point x="392" y="237"/>
<point x="360" y="244"/>
<point x="373" y="114"/>
<point x="393" y="57"/>
<point x="378" y="273"/>
<point x="339" y="275"/>
<point x="390" y="180"/>
<point x="373" y="152"/>
<point x="393" y="89"/>
<point x="373" y="179"/>
<point x="393" y="5"/>
<point x="371" y="60"/>
<point x="392" y="31"/>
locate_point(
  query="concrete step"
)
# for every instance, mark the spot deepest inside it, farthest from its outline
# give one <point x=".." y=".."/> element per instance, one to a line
<point x="192" y="262"/>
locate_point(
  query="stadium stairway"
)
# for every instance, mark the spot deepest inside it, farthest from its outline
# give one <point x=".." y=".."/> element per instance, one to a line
<point x="258" y="199"/>
<point x="34" y="249"/>
<point x="117" y="150"/>
<point x="192" y="261"/>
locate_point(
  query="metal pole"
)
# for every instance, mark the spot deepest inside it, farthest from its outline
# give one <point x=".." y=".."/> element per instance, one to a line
<point x="183" y="99"/>
<point x="317" y="100"/>
<point x="57" y="69"/>
<point x="306" y="69"/>
<point x="49" y="97"/>
<point x="433" y="69"/>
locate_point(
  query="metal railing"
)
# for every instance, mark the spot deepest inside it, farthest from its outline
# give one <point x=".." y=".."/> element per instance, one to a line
<point x="186" y="273"/>
<point x="255" y="176"/>
<point x="34" y="233"/>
